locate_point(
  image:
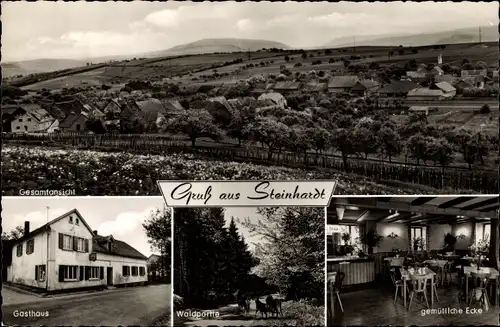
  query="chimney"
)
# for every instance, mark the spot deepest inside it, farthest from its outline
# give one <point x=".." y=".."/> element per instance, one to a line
<point x="95" y="232"/>
<point x="26" y="228"/>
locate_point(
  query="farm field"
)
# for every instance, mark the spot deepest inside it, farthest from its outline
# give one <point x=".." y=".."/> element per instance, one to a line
<point x="114" y="173"/>
<point x="192" y="66"/>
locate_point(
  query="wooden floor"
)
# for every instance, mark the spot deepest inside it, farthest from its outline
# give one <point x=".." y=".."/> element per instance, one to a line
<point x="376" y="307"/>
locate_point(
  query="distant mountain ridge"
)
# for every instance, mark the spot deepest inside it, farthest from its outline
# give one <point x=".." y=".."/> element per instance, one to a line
<point x="220" y="45"/>
<point x="463" y="35"/>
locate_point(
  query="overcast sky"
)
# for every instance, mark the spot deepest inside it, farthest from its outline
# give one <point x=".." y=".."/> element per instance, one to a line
<point x="91" y="29"/>
<point x="120" y="217"/>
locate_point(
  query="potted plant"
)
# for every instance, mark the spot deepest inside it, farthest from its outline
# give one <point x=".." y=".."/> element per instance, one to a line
<point x="371" y="239"/>
<point x="417" y="243"/>
<point x="449" y="242"/>
<point x="348" y="248"/>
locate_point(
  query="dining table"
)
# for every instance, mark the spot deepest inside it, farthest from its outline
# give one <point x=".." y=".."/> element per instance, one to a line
<point x="438" y="263"/>
<point x="406" y="275"/>
<point x="492" y="272"/>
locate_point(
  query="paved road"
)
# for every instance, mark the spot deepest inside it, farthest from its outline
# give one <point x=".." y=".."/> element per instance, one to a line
<point x="129" y="306"/>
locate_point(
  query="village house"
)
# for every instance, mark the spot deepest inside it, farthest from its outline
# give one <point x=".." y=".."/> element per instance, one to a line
<point x="426" y="110"/>
<point x="364" y="87"/>
<point x="397" y="89"/>
<point x="75" y="122"/>
<point x="286" y="87"/>
<point x="152" y="110"/>
<point x="315" y="87"/>
<point x="436" y="71"/>
<point x="66" y="253"/>
<point x="445" y="78"/>
<point x="9" y="113"/>
<point x="338" y="84"/>
<point x="416" y="74"/>
<point x="278" y="99"/>
<point x="477" y="81"/>
<point x="424" y="94"/>
<point x="473" y="72"/>
<point x="33" y="119"/>
<point x="448" y="90"/>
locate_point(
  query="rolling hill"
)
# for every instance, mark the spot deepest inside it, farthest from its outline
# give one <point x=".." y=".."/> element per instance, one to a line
<point x="10" y="69"/>
<point x="465" y="35"/>
<point x="218" y="45"/>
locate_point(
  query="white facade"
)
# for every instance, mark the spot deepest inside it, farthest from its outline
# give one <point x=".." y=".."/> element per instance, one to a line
<point x="62" y="251"/>
<point x="30" y="124"/>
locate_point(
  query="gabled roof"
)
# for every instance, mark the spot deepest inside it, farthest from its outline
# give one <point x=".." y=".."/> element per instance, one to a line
<point x="438" y="69"/>
<point x="46" y="227"/>
<point x="474" y="72"/>
<point x="172" y="105"/>
<point x="315" y="87"/>
<point x="398" y="87"/>
<point x="416" y="74"/>
<point x="287" y="86"/>
<point x="71" y="119"/>
<point x="423" y="91"/>
<point x="445" y="87"/>
<point x="150" y="106"/>
<point x="275" y="97"/>
<point x="343" y="81"/>
<point x="119" y="248"/>
<point x="72" y="106"/>
<point x="445" y="78"/>
<point x="37" y="112"/>
<point x="12" y="109"/>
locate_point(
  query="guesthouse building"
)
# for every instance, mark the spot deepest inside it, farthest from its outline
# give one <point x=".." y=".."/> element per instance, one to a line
<point x="66" y="254"/>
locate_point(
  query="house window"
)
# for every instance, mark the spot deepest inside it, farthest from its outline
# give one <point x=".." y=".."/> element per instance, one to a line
<point x="94" y="273"/>
<point x="29" y="119"/>
<point x="20" y="120"/>
<point x="126" y="270"/>
<point x="70" y="219"/>
<point x="25" y="127"/>
<point x="418" y="232"/>
<point x="78" y="127"/>
<point x="80" y="245"/>
<point x="135" y="271"/>
<point x="30" y="246"/>
<point x="18" y="127"/>
<point x="77" y="222"/>
<point x="142" y="271"/>
<point x="70" y="273"/>
<point x="19" y="250"/>
<point x="40" y="273"/>
<point x="486" y="232"/>
<point x="67" y="242"/>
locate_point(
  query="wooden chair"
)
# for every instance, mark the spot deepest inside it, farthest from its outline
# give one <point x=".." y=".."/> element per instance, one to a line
<point x="339" y="280"/>
<point x="419" y="286"/>
<point x="447" y="272"/>
<point x="397" y="282"/>
<point x="480" y="282"/>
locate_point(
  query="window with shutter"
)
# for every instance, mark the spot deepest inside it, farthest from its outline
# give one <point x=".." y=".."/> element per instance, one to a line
<point x="82" y="274"/>
<point x="68" y="242"/>
<point x="30" y="246"/>
<point x="87" y="273"/>
<point x="36" y="272"/>
<point x="101" y="272"/>
<point x="87" y="246"/>
<point x="61" y="241"/>
<point x="75" y="243"/>
<point x="19" y="250"/>
<point x="61" y="272"/>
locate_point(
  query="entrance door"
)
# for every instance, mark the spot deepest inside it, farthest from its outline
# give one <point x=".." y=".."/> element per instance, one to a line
<point x="109" y="273"/>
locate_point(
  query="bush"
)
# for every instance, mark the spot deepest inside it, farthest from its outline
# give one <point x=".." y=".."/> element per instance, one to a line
<point x="302" y="314"/>
<point x="485" y="109"/>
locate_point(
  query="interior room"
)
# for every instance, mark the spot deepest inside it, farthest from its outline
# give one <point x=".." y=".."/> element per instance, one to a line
<point x="389" y="259"/>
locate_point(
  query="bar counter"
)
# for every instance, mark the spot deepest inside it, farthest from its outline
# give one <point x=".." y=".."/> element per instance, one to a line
<point x="357" y="270"/>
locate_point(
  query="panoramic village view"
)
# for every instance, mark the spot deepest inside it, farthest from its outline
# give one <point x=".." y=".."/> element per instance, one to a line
<point x="237" y="94"/>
